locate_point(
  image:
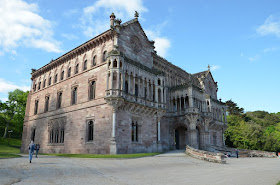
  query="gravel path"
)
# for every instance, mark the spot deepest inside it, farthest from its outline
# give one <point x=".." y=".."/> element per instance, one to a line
<point x="163" y="169"/>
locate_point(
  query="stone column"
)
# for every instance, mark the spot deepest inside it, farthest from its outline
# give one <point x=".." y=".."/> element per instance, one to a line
<point x="162" y="95"/>
<point x="207" y="122"/>
<point x="165" y="92"/>
<point x="143" y="88"/>
<point x="139" y="91"/>
<point x="118" y="81"/>
<point x="123" y="81"/>
<point x="158" y="125"/>
<point x="115" y="103"/>
<point x="148" y="90"/>
<point x="133" y="86"/>
<point x="129" y="83"/>
<point x="190" y="97"/>
<point x="152" y="92"/>
<point x="107" y="88"/>
<point x="156" y="93"/>
<point x="180" y="104"/>
<point x="193" y="131"/>
<point x="112" y="79"/>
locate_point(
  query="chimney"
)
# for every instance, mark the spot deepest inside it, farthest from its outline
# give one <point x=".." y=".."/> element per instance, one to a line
<point x="112" y="19"/>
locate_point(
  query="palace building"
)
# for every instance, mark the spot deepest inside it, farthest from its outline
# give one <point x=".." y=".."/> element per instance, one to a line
<point x="113" y="94"/>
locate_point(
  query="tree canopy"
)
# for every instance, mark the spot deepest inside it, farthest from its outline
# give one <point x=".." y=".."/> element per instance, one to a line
<point x="258" y="130"/>
<point x="12" y="113"/>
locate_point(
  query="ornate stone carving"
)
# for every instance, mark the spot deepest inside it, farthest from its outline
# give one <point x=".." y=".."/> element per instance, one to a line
<point x="135" y="44"/>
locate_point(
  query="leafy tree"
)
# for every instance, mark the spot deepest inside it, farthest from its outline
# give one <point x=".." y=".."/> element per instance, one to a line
<point x="233" y="109"/>
<point x="13" y="110"/>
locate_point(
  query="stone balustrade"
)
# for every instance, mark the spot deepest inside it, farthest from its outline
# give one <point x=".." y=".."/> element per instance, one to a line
<point x="205" y="155"/>
<point x="133" y="98"/>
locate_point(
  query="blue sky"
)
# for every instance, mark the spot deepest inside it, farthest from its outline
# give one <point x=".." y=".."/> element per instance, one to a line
<point x="240" y="40"/>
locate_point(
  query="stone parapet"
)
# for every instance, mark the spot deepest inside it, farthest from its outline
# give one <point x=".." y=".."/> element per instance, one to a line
<point x="204" y="155"/>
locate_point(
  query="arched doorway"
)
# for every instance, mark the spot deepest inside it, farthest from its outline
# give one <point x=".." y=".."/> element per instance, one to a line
<point x="180" y="137"/>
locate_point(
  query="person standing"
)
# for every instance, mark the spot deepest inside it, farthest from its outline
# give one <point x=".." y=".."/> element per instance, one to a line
<point x="237" y="153"/>
<point x="31" y="150"/>
<point x="37" y="147"/>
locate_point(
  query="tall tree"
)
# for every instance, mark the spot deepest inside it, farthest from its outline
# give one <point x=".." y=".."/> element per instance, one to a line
<point x="233" y="109"/>
<point x="14" y="108"/>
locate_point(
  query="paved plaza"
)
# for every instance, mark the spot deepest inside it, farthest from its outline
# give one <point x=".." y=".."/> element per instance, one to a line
<point x="171" y="168"/>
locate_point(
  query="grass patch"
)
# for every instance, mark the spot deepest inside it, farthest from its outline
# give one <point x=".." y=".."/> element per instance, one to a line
<point x="4" y="155"/>
<point x="8" y="149"/>
<point x="13" y="142"/>
<point x="105" y="155"/>
<point x="278" y="183"/>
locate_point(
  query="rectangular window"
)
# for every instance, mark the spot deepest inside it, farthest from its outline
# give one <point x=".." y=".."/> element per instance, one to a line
<point x="47" y="100"/>
<point x="77" y="69"/>
<point x="55" y="78"/>
<point x="74" y="95"/>
<point x="90" y="127"/>
<point x="134" y="132"/>
<point x="92" y="86"/>
<point x="126" y="87"/>
<point x="136" y="89"/>
<point x="36" y="107"/>
<point x="69" y="72"/>
<point x="59" y="100"/>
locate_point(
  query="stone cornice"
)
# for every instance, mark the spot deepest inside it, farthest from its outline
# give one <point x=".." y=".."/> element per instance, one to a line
<point x="96" y="41"/>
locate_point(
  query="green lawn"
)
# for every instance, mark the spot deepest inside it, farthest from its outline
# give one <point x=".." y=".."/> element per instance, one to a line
<point x="105" y="155"/>
<point x="11" y="150"/>
<point x="13" y="142"/>
<point x="278" y="183"/>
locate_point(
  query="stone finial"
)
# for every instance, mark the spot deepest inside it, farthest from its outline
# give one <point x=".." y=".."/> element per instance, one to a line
<point x="136" y="15"/>
<point x="118" y="22"/>
<point x="208" y="67"/>
<point x="33" y="70"/>
<point x="112" y="19"/>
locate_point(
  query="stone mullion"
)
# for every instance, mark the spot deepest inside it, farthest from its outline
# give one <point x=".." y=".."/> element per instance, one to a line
<point x="129" y="83"/>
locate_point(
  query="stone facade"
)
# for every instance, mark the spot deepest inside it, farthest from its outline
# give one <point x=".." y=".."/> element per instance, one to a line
<point x="114" y="94"/>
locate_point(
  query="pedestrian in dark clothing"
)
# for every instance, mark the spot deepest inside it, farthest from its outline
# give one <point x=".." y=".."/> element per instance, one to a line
<point x="31" y="150"/>
<point x="37" y="148"/>
<point x="237" y="152"/>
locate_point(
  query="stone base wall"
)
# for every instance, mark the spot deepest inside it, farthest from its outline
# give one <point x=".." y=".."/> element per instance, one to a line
<point x="256" y="153"/>
<point x="204" y="155"/>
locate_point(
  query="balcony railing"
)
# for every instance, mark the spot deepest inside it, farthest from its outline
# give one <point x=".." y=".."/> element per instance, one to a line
<point x="132" y="98"/>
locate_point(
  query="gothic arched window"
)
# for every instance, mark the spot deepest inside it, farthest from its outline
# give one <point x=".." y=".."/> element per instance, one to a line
<point x="94" y="61"/>
<point x="77" y="69"/>
<point x="69" y="72"/>
<point x="85" y="65"/>
<point x="74" y="96"/>
<point x="104" y="56"/>
<point x="92" y="87"/>
<point x="62" y="75"/>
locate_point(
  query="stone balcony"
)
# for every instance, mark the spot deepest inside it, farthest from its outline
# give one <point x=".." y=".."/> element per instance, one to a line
<point x="116" y="93"/>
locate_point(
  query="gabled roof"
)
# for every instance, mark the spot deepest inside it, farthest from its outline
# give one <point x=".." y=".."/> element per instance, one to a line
<point x="135" y="20"/>
<point x="205" y="73"/>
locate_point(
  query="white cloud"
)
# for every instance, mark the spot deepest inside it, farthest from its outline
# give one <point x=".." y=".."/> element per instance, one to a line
<point x="266" y="50"/>
<point x="162" y="44"/>
<point x="271" y="26"/>
<point x="6" y="86"/>
<point x="254" y="58"/>
<point x="69" y="36"/>
<point x="22" y="25"/>
<point x="215" y="67"/>
<point x="93" y="25"/>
